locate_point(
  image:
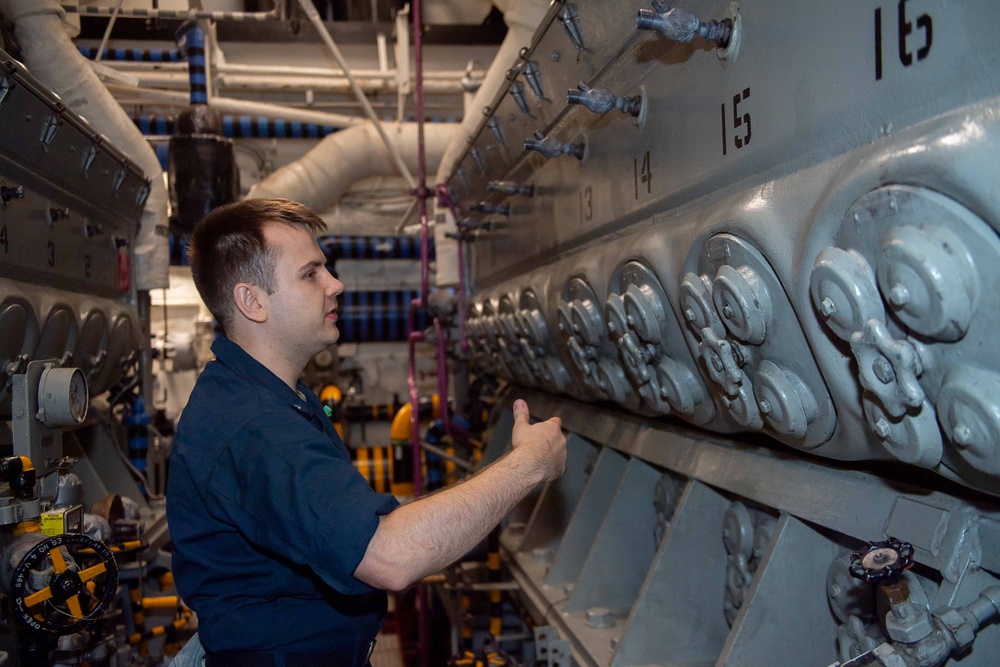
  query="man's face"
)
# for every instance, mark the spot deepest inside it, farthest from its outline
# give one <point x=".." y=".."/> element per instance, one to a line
<point x="303" y="309"/>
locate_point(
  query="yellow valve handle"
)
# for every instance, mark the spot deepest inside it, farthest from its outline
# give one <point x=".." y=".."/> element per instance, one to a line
<point x="58" y="607"/>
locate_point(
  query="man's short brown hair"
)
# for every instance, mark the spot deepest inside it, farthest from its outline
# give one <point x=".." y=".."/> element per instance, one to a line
<point x="228" y="247"/>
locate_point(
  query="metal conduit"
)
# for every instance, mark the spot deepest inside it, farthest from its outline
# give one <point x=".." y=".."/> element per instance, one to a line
<point x="239" y="127"/>
<point x="133" y="55"/>
<point x="194" y="47"/>
<point x="130" y="94"/>
<point x="376" y="316"/>
<point x="337" y="247"/>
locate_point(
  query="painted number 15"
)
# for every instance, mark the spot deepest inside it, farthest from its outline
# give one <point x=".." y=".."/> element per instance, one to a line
<point x="741" y="126"/>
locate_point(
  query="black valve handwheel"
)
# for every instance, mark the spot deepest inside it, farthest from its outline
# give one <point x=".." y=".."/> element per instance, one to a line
<point x="71" y="599"/>
<point x="882" y="561"/>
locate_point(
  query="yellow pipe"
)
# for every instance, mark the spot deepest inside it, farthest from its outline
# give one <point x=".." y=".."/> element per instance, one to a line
<point x="330" y="392"/>
<point x="401" y="426"/>
<point x="328" y="395"/>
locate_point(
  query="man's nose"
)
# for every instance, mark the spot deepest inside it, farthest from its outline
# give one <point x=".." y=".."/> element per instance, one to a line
<point x="334" y="287"/>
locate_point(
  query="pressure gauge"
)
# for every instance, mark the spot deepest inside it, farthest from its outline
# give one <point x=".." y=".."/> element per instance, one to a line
<point x="63" y="397"/>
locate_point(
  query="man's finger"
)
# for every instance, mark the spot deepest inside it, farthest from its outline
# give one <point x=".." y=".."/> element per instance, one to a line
<point x="521" y="412"/>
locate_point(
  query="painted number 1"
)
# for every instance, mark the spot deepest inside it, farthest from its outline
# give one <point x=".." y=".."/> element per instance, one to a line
<point x="643" y="174"/>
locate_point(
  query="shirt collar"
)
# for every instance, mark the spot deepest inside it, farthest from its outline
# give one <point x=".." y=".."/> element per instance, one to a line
<point x="242" y="363"/>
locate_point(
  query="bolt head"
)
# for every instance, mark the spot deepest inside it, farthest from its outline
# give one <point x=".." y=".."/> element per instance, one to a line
<point x="727" y="312"/>
<point x="764" y="405"/>
<point x="899" y="296"/>
<point x="962" y="435"/>
<point x="882" y="428"/>
<point x="827" y="307"/>
<point x="883" y="370"/>
<point x="689" y="315"/>
<point x="717" y="363"/>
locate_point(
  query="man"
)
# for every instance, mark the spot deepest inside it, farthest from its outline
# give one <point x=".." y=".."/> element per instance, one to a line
<point x="279" y="545"/>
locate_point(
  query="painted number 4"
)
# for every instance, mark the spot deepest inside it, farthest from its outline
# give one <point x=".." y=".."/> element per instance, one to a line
<point x="643" y="174"/>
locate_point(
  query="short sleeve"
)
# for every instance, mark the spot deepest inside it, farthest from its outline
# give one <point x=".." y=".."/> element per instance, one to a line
<point x="291" y="492"/>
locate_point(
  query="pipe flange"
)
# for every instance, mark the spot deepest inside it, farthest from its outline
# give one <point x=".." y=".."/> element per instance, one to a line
<point x="843" y="289"/>
<point x="564" y="321"/>
<point x="969" y="413"/>
<point x="697" y="307"/>
<point x="741" y="297"/>
<point x="533" y="325"/>
<point x="737" y="530"/>
<point x="720" y="360"/>
<point x="784" y="399"/>
<point x="911" y="438"/>
<point x="888" y="368"/>
<point x="643" y="313"/>
<point x="585" y="318"/>
<point x="582" y="356"/>
<point x="929" y="280"/>
<point x="554" y="374"/>
<point x="611" y="381"/>
<point x="614" y="316"/>
<point x="679" y="386"/>
<point x="653" y="397"/>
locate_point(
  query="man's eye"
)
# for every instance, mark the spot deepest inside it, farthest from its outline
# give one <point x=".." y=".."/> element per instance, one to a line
<point x="311" y="274"/>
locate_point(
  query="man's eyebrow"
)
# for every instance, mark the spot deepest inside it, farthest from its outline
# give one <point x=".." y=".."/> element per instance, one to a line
<point x="314" y="264"/>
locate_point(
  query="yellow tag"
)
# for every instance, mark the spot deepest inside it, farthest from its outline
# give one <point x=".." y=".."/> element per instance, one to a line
<point x="54" y="522"/>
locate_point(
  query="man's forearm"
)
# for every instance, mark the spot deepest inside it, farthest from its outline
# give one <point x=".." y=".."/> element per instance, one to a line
<point x="428" y="534"/>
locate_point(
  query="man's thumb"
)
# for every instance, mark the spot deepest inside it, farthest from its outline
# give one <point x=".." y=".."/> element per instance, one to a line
<point x="521" y="411"/>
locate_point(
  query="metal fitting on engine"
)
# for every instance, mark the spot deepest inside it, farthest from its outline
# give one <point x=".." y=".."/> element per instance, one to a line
<point x="600" y="100"/>
<point x="680" y="25"/>
<point x="551" y="147"/>
<point x="511" y="188"/>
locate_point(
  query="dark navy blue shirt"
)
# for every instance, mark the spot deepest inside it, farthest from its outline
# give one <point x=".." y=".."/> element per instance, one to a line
<point x="268" y="517"/>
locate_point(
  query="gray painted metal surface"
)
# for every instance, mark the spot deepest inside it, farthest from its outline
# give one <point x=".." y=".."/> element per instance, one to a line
<point x="774" y="283"/>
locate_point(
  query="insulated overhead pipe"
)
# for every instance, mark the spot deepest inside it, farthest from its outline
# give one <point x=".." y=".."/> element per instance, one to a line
<point x="317" y="22"/>
<point x="321" y="177"/>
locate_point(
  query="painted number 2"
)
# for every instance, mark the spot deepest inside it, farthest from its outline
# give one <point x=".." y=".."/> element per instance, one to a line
<point x="923" y="24"/>
<point x="741" y="123"/>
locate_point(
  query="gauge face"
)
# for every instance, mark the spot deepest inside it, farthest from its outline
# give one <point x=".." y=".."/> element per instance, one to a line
<point x="63" y="397"/>
<point x="79" y="397"/>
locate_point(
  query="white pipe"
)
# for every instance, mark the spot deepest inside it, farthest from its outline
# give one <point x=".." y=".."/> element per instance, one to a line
<point x="128" y="94"/>
<point x="321" y="177"/>
<point x="281" y="70"/>
<point x="259" y="82"/>
<point x="522" y="18"/>
<point x="320" y="27"/>
<point x="52" y="58"/>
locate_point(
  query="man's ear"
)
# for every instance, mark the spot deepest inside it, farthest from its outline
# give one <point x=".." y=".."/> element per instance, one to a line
<point x="251" y="301"/>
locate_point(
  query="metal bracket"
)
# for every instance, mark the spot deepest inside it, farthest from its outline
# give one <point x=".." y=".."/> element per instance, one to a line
<point x="550" y="648"/>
